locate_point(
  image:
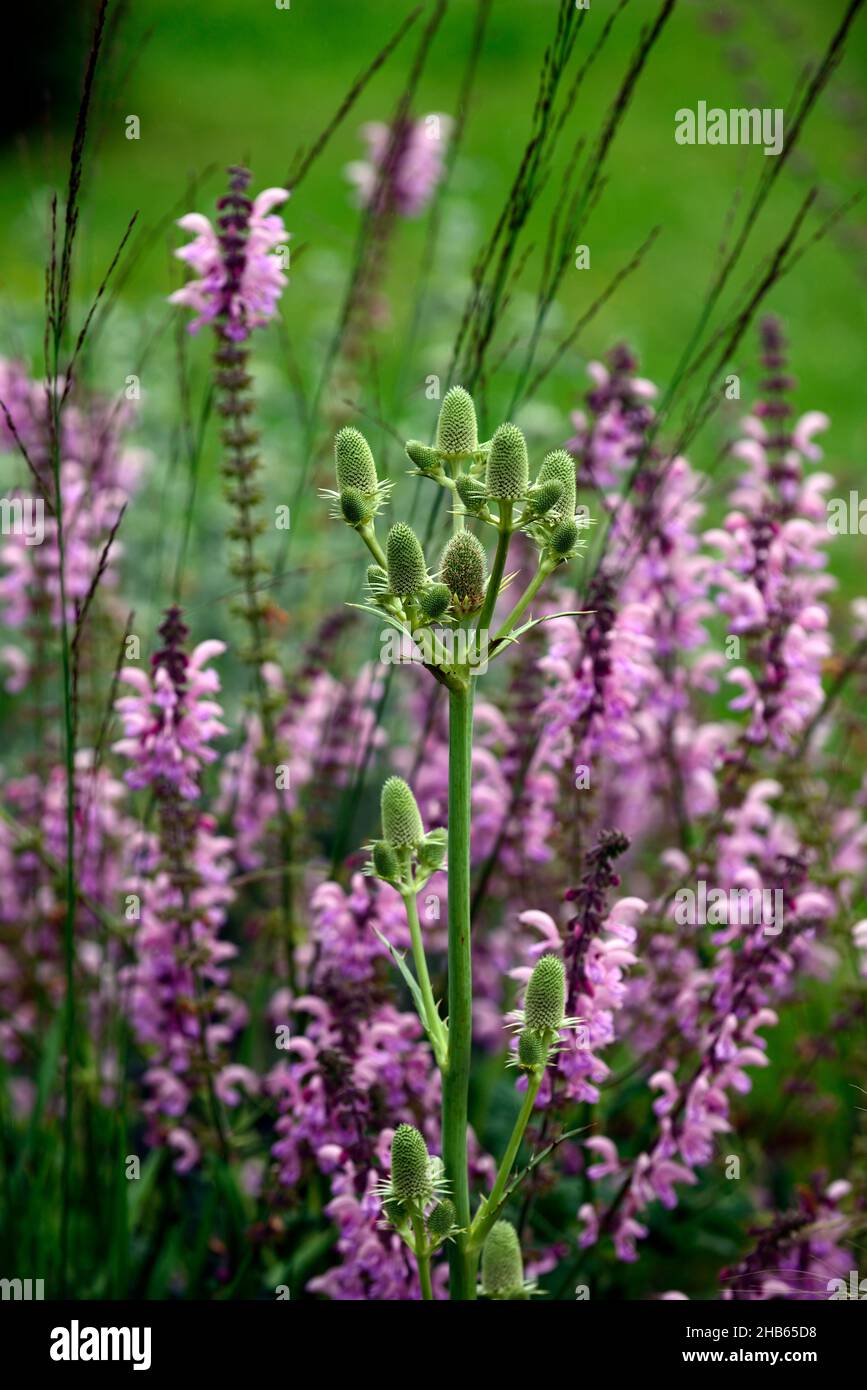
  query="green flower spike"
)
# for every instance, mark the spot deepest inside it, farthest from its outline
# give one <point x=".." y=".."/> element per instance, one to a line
<point x="385" y="862"/>
<point x="532" y="1050"/>
<point x="401" y="822"/>
<point x="434" y="601"/>
<point x="426" y="460"/>
<point x="407" y="572"/>
<point x="410" y="1166"/>
<point x="432" y="851"/>
<point x="544" y="496"/>
<point x="462" y="568"/>
<point x="355" y="507"/>
<point x="457" y="431"/>
<point x="471" y="492"/>
<point x="442" y="1220"/>
<point x="502" y="1264"/>
<point x="560" y="465"/>
<point x="507" y="474"/>
<point x="545" y="998"/>
<point x="564" y="538"/>
<point x="354" y="462"/>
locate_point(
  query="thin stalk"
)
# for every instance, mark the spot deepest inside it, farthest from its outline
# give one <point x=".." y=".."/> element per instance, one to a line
<point x="545" y="568"/>
<point x="503" y="540"/>
<point x="486" y="1218"/>
<point x="433" y="1022"/>
<point x="456" y="1077"/>
<point x="422" y="1255"/>
<point x="368" y="535"/>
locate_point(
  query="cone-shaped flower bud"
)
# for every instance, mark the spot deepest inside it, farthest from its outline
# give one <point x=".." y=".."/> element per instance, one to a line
<point x="560" y="465"/>
<point x="462" y="568"/>
<point x="434" y="601"/>
<point x="422" y="455"/>
<point x="565" y="537"/>
<point x="401" y="820"/>
<point x="471" y="492"/>
<point x="443" y="1219"/>
<point x="407" y="572"/>
<point x="410" y="1165"/>
<point x="545" y="999"/>
<point x="354" y="506"/>
<point x="507" y="473"/>
<point x="502" y="1265"/>
<point x="457" y="431"/>
<point x="385" y="860"/>
<point x="544" y="496"/>
<point x="354" y="462"/>
<point x="432" y="851"/>
<point x="532" y="1049"/>
<point x="377" y="577"/>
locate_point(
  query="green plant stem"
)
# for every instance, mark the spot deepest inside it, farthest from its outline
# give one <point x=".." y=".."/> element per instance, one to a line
<point x="491" y="594"/>
<point x="546" y="567"/>
<point x="488" y="1215"/>
<point x="422" y="1255"/>
<point x="368" y="535"/>
<point x="432" y="1020"/>
<point x="456" y="1077"/>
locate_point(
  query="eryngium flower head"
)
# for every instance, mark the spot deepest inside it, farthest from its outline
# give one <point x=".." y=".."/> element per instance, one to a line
<point x="545" y="998"/>
<point x="385" y="860"/>
<point x="442" y="1219"/>
<point x="560" y="465"/>
<point x="457" y="431"/>
<point x="462" y="569"/>
<point x="432" y="851"/>
<point x="564" y="537"/>
<point x="471" y="492"/>
<point x="410" y="1165"/>
<point x="407" y="572"/>
<point x="508" y="469"/>
<point x="401" y="820"/>
<point x="544" y="496"/>
<point x="354" y="506"/>
<point x="532" y="1049"/>
<point x="502" y="1265"/>
<point x="434" y="601"/>
<point x="424" y="458"/>
<point x="354" y="462"/>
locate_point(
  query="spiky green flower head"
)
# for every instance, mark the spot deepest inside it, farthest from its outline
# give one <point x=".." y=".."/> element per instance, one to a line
<point x="544" y="496"/>
<point x="385" y="862"/>
<point x="508" y="469"/>
<point x="355" y="507"/>
<point x="502" y="1264"/>
<point x="545" y="997"/>
<point x="410" y="1165"/>
<point x="463" y="568"/>
<point x="376" y="576"/>
<point x="442" y="1220"/>
<point x="532" y="1050"/>
<point x="426" y="460"/>
<point x="564" y="538"/>
<point x="434" y="601"/>
<point x="560" y="465"/>
<point x="471" y="492"/>
<point x="401" y="820"/>
<point x="354" y="462"/>
<point x="407" y="571"/>
<point x="432" y="850"/>
<point x="457" y="430"/>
